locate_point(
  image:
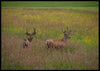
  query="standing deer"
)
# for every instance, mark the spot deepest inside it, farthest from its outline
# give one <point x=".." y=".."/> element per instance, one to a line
<point x="27" y="42"/>
<point x="52" y="43"/>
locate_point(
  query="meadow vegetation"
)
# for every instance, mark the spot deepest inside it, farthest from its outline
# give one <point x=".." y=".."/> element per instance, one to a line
<point x="81" y="51"/>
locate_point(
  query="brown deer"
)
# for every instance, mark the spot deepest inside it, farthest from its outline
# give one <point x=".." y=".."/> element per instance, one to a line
<point x="52" y="43"/>
<point x="27" y="42"/>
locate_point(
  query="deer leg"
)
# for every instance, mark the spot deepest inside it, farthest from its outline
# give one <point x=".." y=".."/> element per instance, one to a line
<point x="52" y="45"/>
<point x="23" y="45"/>
<point x="29" y="44"/>
<point x="48" y="45"/>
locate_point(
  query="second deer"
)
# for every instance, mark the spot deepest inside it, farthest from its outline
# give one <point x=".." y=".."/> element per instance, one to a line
<point x="52" y="43"/>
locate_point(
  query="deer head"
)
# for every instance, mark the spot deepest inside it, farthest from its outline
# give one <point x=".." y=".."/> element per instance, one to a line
<point x="66" y="35"/>
<point x="30" y="34"/>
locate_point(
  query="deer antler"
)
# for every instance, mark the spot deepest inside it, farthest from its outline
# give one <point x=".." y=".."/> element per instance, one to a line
<point x="63" y="31"/>
<point x="34" y="31"/>
<point x="27" y="32"/>
<point x="68" y="31"/>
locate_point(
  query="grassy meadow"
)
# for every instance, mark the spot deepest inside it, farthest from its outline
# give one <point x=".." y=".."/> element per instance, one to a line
<point x="81" y="51"/>
<point x="75" y="5"/>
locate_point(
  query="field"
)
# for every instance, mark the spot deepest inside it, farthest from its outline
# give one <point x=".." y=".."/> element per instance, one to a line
<point x="76" y="5"/>
<point x="81" y="51"/>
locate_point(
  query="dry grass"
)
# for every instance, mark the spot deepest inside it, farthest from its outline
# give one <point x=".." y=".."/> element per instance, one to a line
<point x="80" y="52"/>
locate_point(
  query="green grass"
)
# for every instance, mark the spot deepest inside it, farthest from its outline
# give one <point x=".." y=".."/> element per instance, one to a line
<point x="76" y="5"/>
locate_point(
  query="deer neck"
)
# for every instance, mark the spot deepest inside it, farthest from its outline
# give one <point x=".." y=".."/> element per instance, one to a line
<point x="30" y="40"/>
<point x="64" y="39"/>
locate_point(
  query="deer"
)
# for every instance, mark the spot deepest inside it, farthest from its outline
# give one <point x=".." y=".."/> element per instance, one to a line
<point x="52" y="43"/>
<point x="27" y="42"/>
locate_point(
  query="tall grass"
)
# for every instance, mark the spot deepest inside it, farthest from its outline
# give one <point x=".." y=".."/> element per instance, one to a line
<point x="81" y="51"/>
